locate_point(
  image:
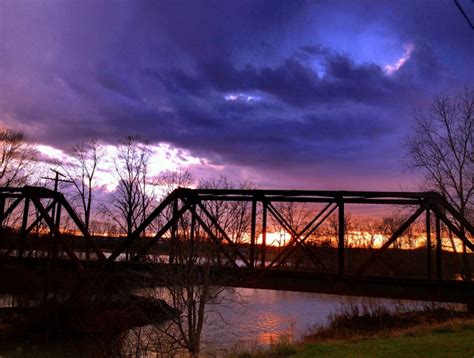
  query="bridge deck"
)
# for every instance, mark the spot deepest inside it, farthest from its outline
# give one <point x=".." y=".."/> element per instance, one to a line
<point x="299" y="281"/>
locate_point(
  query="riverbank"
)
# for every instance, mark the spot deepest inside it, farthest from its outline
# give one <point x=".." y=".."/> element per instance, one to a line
<point x="453" y="339"/>
<point x="430" y="333"/>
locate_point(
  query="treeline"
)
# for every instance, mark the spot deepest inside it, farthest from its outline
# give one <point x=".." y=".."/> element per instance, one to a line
<point x="117" y="211"/>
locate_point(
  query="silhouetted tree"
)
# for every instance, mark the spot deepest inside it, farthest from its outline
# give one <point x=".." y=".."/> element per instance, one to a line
<point x="134" y="194"/>
<point x="190" y="287"/>
<point x="189" y="282"/>
<point x="81" y="171"/>
<point x="172" y="179"/>
<point x="442" y="147"/>
<point x="17" y="156"/>
<point x="233" y="216"/>
<point x="388" y="225"/>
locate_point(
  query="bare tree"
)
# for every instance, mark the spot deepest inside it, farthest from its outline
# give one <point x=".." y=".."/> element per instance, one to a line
<point x="442" y="147"/>
<point x="172" y="179"/>
<point x="81" y="171"/>
<point x="234" y="217"/>
<point x="17" y="155"/>
<point x="388" y="225"/>
<point x="297" y="215"/>
<point x="191" y="285"/>
<point x="134" y="194"/>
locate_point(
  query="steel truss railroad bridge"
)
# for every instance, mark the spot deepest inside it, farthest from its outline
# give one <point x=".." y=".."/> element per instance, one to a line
<point x="252" y="264"/>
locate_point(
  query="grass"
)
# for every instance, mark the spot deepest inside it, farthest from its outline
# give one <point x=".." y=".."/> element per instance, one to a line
<point x="376" y="319"/>
<point x="281" y="349"/>
<point x="376" y="332"/>
<point x="446" y="341"/>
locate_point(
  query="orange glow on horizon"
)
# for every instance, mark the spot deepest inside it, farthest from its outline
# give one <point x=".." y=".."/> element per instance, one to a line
<point x="278" y="238"/>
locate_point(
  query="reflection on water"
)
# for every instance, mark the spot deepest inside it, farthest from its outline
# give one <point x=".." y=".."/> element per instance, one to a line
<point x="255" y="316"/>
<point x="6" y="300"/>
<point x="247" y="318"/>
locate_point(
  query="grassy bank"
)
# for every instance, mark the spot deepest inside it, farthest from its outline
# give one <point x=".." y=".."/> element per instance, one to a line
<point x="434" y="332"/>
<point x="451" y="339"/>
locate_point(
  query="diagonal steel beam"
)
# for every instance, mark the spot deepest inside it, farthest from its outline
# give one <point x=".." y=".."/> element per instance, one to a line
<point x="40" y="217"/>
<point x="307" y="227"/>
<point x="295" y="237"/>
<point x="281" y="220"/>
<point x="462" y="220"/>
<point x="302" y="240"/>
<point x="223" y="233"/>
<point x="392" y="239"/>
<point x="214" y="237"/>
<point x="11" y="208"/>
<point x="80" y="225"/>
<point x="55" y="230"/>
<point x="453" y="228"/>
<point x="174" y="219"/>
<point x="32" y="225"/>
<point x="292" y="246"/>
<point x="134" y="235"/>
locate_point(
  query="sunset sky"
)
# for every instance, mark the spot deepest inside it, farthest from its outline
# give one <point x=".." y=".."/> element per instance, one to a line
<point x="288" y="94"/>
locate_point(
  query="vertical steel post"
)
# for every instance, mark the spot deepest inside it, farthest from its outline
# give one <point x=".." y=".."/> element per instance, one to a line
<point x="438" y="249"/>
<point x="174" y="231"/>
<point x="24" y="224"/>
<point x="56" y="223"/>
<point x="52" y="239"/>
<point x="264" y="233"/>
<point x="2" y="211"/>
<point x="191" y="234"/>
<point x="341" y="234"/>
<point x="428" y="243"/>
<point x="252" y="233"/>
<point x="56" y="183"/>
<point x="193" y="222"/>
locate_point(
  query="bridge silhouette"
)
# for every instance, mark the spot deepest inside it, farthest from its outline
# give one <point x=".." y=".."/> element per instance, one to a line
<point x="250" y="260"/>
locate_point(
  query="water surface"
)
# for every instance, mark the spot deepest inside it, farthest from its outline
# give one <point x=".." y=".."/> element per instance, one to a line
<point x="257" y="317"/>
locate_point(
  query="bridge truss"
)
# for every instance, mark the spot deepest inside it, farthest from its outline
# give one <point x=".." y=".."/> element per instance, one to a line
<point x="262" y="209"/>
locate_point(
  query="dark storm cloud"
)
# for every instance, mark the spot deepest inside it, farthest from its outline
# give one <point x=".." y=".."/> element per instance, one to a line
<point x="258" y="84"/>
<point x="296" y="83"/>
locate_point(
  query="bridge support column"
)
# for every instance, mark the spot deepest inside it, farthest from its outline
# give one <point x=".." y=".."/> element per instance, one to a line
<point x="264" y="234"/>
<point x="252" y="233"/>
<point x="2" y="211"/>
<point x="438" y="248"/>
<point x="55" y="237"/>
<point x="24" y="224"/>
<point x="341" y="234"/>
<point x="428" y="243"/>
<point x="192" y="230"/>
<point x="174" y="233"/>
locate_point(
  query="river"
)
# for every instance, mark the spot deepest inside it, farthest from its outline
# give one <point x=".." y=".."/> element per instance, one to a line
<point x="247" y="318"/>
<point x="251" y="317"/>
